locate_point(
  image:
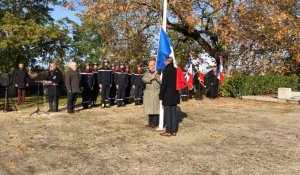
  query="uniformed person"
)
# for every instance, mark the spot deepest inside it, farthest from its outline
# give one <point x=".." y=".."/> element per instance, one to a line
<point x="55" y="76"/>
<point x="105" y="80"/>
<point x="129" y="85"/>
<point x="113" y="88"/>
<point x="121" y="79"/>
<point x="138" y="85"/>
<point x="96" y="87"/>
<point x="87" y="82"/>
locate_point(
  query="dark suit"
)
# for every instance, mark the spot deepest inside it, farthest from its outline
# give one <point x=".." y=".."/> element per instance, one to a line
<point x="170" y="97"/>
<point x="54" y="91"/>
<point x="72" y="84"/>
<point x="21" y="79"/>
<point x="212" y="83"/>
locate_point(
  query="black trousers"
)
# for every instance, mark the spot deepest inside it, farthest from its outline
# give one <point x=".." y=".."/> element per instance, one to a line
<point x="121" y="94"/>
<point x="53" y="102"/>
<point x="71" y="101"/>
<point x="112" y="93"/>
<point x="95" y="92"/>
<point x="184" y="94"/>
<point x="170" y="118"/>
<point x="200" y="90"/>
<point x="213" y="91"/>
<point x="105" y="93"/>
<point x="86" y="97"/>
<point x="138" y="93"/>
<point x="153" y="119"/>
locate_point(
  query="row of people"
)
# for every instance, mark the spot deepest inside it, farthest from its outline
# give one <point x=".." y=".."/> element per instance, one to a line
<point x="113" y="85"/>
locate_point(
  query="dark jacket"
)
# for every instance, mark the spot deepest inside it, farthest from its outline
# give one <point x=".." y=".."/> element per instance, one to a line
<point x="21" y="78"/>
<point x="105" y="76"/>
<point x="121" y="78"/>
<point x="211" y="79"/>
<point x="56" y="77"/>
<point x="168" y="93"/>
<point x="72" y="81"/>
<point x="137" y="79"/>
<point x="86" y="79"/>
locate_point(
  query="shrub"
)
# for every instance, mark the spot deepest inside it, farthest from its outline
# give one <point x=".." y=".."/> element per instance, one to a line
<point x="239" y="85"/>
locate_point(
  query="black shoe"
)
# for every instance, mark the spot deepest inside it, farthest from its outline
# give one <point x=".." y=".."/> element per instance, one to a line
<point x="71" y="112"/>
<point x="50" y="110"/>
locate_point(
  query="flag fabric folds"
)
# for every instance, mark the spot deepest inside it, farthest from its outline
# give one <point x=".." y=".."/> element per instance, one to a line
<point x="220" y="72"/>
<point x="165" y="50"/>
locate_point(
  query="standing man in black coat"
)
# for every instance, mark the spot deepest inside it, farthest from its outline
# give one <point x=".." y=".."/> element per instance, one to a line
<point x="72" y="84"/>
<point x="121" y="80"/>
<point x="212" y="82"/>
<point x="55" y="76"/>
<point x="21" y="82"/>
<point x="87" y="82"/>
<point x="105" y="81"/>
<point x="170" y="98"/>
<point x="138" y="85"/>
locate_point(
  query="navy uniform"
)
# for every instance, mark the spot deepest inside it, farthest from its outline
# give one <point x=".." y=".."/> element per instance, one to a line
<point x="113" y="88"/>
<point x="87" y="82"/>
<point x="105" y="80"/>
<point x="96" y="87"/>
<point x="121" y="80"/>
<point x="138" y="85"/>
<point x="129" y="85"/>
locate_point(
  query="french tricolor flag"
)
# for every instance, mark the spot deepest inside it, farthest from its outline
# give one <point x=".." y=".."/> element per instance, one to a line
<point x="220" y="72"/>
<point x="165" y="49"/>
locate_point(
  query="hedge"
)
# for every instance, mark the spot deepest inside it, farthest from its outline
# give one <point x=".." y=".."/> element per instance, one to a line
<point x="240" y="85"/>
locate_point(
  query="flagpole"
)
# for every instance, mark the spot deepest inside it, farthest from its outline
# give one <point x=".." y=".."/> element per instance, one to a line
<point x="161" y="109"/>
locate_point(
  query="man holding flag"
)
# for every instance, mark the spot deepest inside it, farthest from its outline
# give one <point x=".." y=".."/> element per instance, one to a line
<point x="170" y="97"/>
<point x="172" y="81"/>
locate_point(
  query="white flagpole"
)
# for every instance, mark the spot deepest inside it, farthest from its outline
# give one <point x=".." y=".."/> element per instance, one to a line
<point x="161" y="111"/>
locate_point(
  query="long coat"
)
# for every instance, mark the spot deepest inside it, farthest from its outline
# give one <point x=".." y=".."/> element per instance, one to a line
<point x="57" y="78"/>
<point x="21" y="78"/>
<point x="151" y="98"/>
<point x="72" y="81"/>
<point x="168" y="93"/>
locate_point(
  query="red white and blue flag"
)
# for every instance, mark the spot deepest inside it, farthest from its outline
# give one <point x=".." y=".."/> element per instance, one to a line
<point x="165" y="49"/>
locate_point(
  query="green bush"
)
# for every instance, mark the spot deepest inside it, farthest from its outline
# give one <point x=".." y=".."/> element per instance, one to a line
<point x="239" y="85"/>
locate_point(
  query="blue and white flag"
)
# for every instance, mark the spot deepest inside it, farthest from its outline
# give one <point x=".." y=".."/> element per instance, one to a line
<point x="165" y="50"/>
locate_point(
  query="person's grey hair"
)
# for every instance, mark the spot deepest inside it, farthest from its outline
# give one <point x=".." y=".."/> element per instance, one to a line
<point x="71" y="63"/>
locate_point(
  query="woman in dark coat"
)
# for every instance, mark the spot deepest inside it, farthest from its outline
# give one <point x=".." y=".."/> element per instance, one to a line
<point x="21" y="82"/>
<point x="170" y="98"/>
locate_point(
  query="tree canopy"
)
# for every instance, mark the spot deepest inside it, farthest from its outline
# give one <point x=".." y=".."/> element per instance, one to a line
<point x="220" y="27"/>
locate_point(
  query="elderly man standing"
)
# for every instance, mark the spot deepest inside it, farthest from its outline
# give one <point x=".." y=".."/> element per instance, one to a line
<point x="170" y="98"/>
<point x="151" y="95"/>
<point x="55" y="76"/>
<point x="72" y="84"/>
